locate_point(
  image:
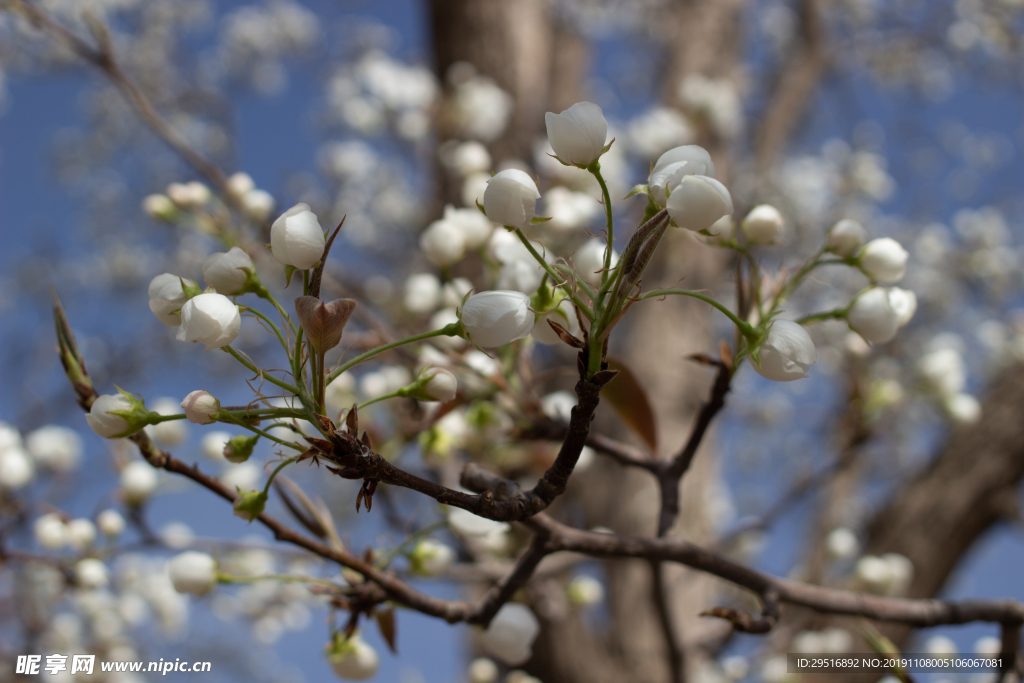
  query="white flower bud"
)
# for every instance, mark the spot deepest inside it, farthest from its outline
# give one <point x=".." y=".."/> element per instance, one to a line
<point x="988" y="646"/>
<point x="873" y="573"/>
<point x="442" y="243"/>
<point x="511" y="633"/>
<point x="355" y="660"/>
<point x="901" y="572"/>
<point x="258" y="204"/>
<point x="166" y="298"/>
<point x="172" y="432"/>
<point x="192" y="195"/>
<point x="903" y="303"/>
<point x="138" y="480"/>
<point x="845" y="237"/>
<point x="81" y="534"/>
<point x="104" y="423"/>
<point x="589" y="261"/>
<point x="842" y="544"/>
<point x="160" y="207"/>
<point x="940" y="646"/>
<point x="963" y="408"/>
<point x="476" y="229"/>
<point x="211" y="319"/>
<point x="50" y="531"/>
<point x="483" y="670"/>
<point x="431" y="558"/>
<point x="192" y="572"/>
<point x="763" y="225"/>
<point x="943" y="370"/>
<point x="578" y="134"/>
<point x="470" y="157"/>
<point x="16" y="469"/>
<point x="441" y="385"/>
<point x="511" y="198"/>
<point x="883" y="260"/>
<point x="497" y="317"/>
<point x="201" y="407"/>
<point x="676" y="163"/>
<point x="697" y="201"/>
<point x="54" y="448"/>
<point x="786" y="353"/>
<point x="240" y="183"/>
<point x="422" y="293"/>
<point x="213" y="443"/>
<point x="111" y="523"/>
<point x="585" y="591"/>
<point x="228" y="272"/>
<point x="296" y="238"/>
<point x="91" y="573"/>
<point x="872" y="316"/>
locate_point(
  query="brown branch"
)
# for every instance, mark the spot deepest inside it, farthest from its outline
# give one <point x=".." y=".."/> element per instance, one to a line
<point x="663" y="607"/>
<point x="102" y="58"/>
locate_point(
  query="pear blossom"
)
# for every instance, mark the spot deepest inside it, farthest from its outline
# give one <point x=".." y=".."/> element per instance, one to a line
<point x="697" y="202"/>
<point x="166" y="297"/>
<point x="240" y="183"/>
<point x="81" y="534"/>
<point x="511" y="633"/>
<point x="138" y="480"/>
<point x="589" y="260"/>
<point x="585" y="591"/>
<point x="296" y="238"/>
<point x="842" y="544"/>
<point x="440" y="384"/>
<point x="903" y="302"/>
<point x="497" y="317"/>
<point x="258" y="204"/>
<point x="193" y="572"/>
<point x="422" y="293"/>
<point x="353" y="659"/>
<point x="845" y="237"/>
<point x="16" y="469"/>
<point x="483" y="670"/>
<point x="201" y="407"/>
<point x="212" y="444"/>
<point x="211" y="319"/>
<point x="111" y="523"/>
<point x="191" y="195"/>
<point x="943" y="370"/>
<point x="431" y="558"/>
<point x="940" y="646"/>
<point x="872" y="316"/>
<point x="474" y="227"/>
<point x="169" y="433"/>
<point x="578" y="134"/>
<point x="91" y="573"/>
<point x="54" y="448"/>
<point x="442" y="242"/>
<point x="763" y="225"/>
<point x="883" y="260"/>
<point x="50" y="531"/>
<point x="102" y="421"/>
<point x="160" y="207"/>
<point x="676" y="163"/>
<point x="228" y="272"/>
<point x="963" y="408"/>
<point x="786" y="353"/>
<point x="511" y="198"/>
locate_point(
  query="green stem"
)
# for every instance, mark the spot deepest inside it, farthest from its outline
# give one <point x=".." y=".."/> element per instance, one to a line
<point x="394" y="394"/>
<point x="745" y="328"/>
<point x="554" y="275"/>
<point x="270" y="378"/>
<point x="835" y="314"/>
<point x="270" y="479"/>
<point x="567" y="271"/>
<point x="264" y="293"/>
<point x="449" y="330"/>
<point x="385" y="560"/>
<point x="267" y="435"/>
<point x="285" y="578"/>
<point x="595" y="169"/>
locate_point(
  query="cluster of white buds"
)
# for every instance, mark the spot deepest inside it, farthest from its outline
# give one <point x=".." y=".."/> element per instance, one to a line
<point x="945" y="375"/>
<point x="683" y="181"/>
<point x="194" y="197"/>
<point x="889" y="574"/>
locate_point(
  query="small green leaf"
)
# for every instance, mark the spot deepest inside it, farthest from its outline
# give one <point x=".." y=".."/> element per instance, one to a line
<point x="639" y="189"/>
<point x="288" y="272"/>
<point x="536" y="220"/>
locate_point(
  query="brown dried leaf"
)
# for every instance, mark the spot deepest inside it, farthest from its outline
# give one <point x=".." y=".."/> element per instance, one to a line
<point x="324" y="323"/>
<point x="386" y="624"/>
<point x="564" y="335"/>
<point x="628" y="398"/>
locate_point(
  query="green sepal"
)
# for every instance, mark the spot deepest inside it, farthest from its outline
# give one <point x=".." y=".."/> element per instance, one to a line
<point x="288" y="272"/>
<point x="537" y="220"/>
<point x="191" y="290"/>
<point x="137" y="417"/>
<point x="639" y="189"/>
<point x="239" y="448"/>
<point x="249" y="504"/>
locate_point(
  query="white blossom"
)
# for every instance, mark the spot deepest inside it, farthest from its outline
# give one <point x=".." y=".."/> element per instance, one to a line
<point x="511" y="198"/>
<point x="192" y="195"/>
<point x="200" y="407"/>
<point x="940" y="646"/>
<point x="511" y="633"/>
<point x="873" y="317"/>
<point x="585" y="591"/>
<point x="474" y="227"/>
<point x="258" y="204"/>
<point x="845" y="237"/>
<point x="240" y="183"/>
<point x="102" y="421"/>
<point x="676" y="163"/>
<point x="578" y="134"/>
<point x="483" y="670"/>
<point x="943" y="370"/>
<point x="138" y="480"/>
<point x="160" y="207"/>
<point x="16" y="469"/>
<point x="431" y="558"/>
<point x="763" y="225"/>
<point x="54" y="448"/>
<point x="296" y="238"/>
<point x="91" y="573"/>
<point x="842" y="544"/>
<point x="228" y="272"/>
<point x="963" y="408"/>
<point x="497" y="317"/>
<point x="442" y="243"/>
<point x="441" y="384"/>
<point x="50" y="531"/>
<point x="111" y="523"/>
<point x="589" y="260"/>
<point x="697" y="202"/>
<point x="166" y="298"/>
<point x="422" y="293"/>
<point x="211" y="319"/>
<point x="355" y="660"/>
<point x="903" y="303"/>
<point x="193" y="572"/>
<point x="786" y="353"/>
<point x="883" y="260"/>
<point x="81" y="534"/>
